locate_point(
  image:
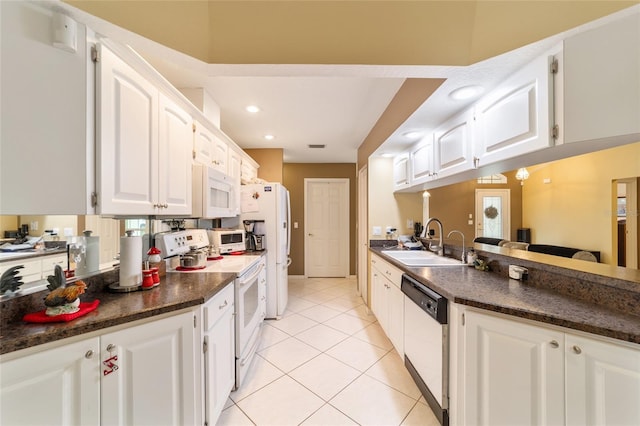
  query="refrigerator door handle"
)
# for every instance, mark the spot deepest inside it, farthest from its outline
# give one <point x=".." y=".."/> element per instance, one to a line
<point x="288" y="261"/>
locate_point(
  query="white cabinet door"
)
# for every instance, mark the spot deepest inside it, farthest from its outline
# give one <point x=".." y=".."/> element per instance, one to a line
<point x="395" y="323"/>
<point x="249" y="172"/>
<point x="514" y="372"/>
<point x="219" y="356"/>
<point x="401" y="172"/>
<point x="203" y="145"/>
<point x="59" y="386"/>
<point x="603" y="382"/>
<point x="422" y="161"/>
<point x="127" y="138"/>
<point x="602" y="83"/>
<point x="174" y="157"/>
<point x="235" y="172"/>
<point x="387" y="300"/>
<point x="154" y="382"/>
<point x="453" y="145"/>
<point x="220" y="154"/>
<point x="515" y="118"/>
<point x="46" y="136"/>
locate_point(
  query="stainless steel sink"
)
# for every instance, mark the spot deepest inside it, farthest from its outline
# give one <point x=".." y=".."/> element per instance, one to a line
<point x="421" y="258"/>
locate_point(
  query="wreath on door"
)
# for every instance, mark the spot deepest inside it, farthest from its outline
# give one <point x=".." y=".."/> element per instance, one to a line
<point x="491" y="212"/>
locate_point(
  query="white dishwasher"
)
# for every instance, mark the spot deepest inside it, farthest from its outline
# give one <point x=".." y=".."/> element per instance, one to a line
<point x="426" y="344"/>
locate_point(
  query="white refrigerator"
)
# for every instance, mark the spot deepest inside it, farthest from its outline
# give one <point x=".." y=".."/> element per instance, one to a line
<point x="269" y="202"/>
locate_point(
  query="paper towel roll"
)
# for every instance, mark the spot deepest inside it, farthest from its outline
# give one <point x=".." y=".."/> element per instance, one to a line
<point x="130" y="261"/>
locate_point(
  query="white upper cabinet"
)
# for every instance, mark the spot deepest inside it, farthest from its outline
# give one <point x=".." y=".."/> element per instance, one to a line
<point x="516" y="118"/>
<point x="141" y="170"/>
<point x="248" y="171"/>
<point x="401" y="172"/>
<point x="220" y="155"/>
<point x="422" y="160"/>
<point x="602" y="83"/>
<point x="209" y="150"/>
<point x="127" y="138"/>
<point x="46" y="137"/>
<point x="176" y="134"/>
<point x="203" y="145"/>
<point x="453" y="145"/>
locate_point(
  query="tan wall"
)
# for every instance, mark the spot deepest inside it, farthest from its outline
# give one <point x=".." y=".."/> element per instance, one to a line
<point x="270" y="161"/>
<point x="575" y="208"/>
<point x="323" y="32"/>
<point x="50" y="222"/>
<point x="8" y="223"/>
<point x="294" y="175"/>
<point x="385" y="207"/>
<point x="452" y="205"/>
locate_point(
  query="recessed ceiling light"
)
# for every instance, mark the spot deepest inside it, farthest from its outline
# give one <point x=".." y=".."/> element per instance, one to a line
<point x="252" y="109"/>
<point x="269" y="137"/>
<point x="466" y="92"/>
<point x="412" y="134"/>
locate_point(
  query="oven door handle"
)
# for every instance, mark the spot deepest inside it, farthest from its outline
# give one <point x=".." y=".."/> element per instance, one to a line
<point x="244" y="281"/>
<point x="253" y="350"/>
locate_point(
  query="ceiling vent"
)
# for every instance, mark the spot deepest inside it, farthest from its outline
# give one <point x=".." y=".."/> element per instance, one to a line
<point x="316" y="146"/>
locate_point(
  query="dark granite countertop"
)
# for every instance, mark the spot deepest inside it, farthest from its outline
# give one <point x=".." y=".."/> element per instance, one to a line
<point x="541" y="298"/>
<point x="175" y="292"/>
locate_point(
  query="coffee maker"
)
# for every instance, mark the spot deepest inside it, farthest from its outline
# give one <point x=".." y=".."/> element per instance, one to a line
<point x="255" y="239"/>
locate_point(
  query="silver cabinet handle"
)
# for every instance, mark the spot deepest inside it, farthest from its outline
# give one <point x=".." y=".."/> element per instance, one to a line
<point x="88" y="354"/>
<point x="554" y="344"/>
<point x="223" y="305"/>
<point x="111" y="348"/>
<point x="577" y="350"/>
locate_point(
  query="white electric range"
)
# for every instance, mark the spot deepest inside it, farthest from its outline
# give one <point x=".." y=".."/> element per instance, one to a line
<point x="250" y="288"/>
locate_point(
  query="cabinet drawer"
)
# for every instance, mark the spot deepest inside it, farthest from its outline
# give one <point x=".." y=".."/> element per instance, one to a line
<point x="49" y="263"/>
<point x="32" y="270"/>
<point x="387" y="270"/>
<point x="219" y="304"/>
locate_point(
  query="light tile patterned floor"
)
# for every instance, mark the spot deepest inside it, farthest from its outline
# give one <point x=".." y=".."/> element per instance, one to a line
<point x="326" y="362"/>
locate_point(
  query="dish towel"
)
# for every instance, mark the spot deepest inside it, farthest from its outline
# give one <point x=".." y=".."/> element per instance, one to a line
<point x="41" y="316"/>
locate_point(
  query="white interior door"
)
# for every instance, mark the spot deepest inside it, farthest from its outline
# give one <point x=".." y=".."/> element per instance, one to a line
<point x="493" y="213"/>
<point x="326" y="227"/>
<point x="363" y="226"/>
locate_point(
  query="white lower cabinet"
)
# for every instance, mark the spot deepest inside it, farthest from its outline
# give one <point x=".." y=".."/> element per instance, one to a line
<point x="388" y="300"/>
<point x="516" y="372"/>
<point x="603" y="382"/>
<point x="57" y="386"/>
<point x="219" y="352"/>
<point x="148" y="373"/>
<point x="36" y="269"/>
<point x="145" y="374"/>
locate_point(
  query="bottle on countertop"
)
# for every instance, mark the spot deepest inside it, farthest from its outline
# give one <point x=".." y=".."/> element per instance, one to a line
<point x="472" y="256"/>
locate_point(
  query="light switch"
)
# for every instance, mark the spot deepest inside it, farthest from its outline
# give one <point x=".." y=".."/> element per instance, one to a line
<point x="376" y="230"/>
<point x="295" y="225"/>
<point x="470" y="222"/>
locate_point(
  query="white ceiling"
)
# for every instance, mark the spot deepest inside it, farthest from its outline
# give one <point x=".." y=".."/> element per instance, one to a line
<point x="334" y="105"/>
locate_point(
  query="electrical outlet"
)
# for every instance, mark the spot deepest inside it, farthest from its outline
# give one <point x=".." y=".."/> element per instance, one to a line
<point x="34" y="225"/>
<point x="295" y="225"/>
<point x="376" y="231"/>
<point x="470" y="222"/>
<point x="409" y="224"/>
<point x="68" y="232"/>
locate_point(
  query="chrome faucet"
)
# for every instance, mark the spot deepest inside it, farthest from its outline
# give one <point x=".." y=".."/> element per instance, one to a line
<point x="455" y="231"/>
<point x="439" y="249"/>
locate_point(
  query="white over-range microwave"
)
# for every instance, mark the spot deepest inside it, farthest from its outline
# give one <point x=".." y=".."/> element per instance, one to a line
<point x="215" y="194"/>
